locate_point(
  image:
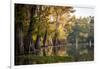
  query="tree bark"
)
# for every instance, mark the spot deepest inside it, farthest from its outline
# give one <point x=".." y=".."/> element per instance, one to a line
<point x="44" y="42"/>
<point x="28" y="37"/>
<point x="37" y="45"/>
<point x="55" y="36"/>
<point x="76" y="42"/>
<point x="18" y="31"/>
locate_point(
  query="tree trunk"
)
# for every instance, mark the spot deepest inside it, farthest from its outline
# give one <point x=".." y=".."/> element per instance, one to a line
<point x="54" y="44"/>
<point x="37" y="45"/>
<point x="18" y="31"/>
<point x="28" y="37"/>
<point x="18" y="41"/>
<point x="55" y="36"/>
<point x="77" y="50"/>
<point x="90" y="43"/>
<point x="44" y="42"/>
<point x="76" y="43"/>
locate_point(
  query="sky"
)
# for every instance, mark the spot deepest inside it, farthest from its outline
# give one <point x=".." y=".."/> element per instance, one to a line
<point x="84" y="11"/>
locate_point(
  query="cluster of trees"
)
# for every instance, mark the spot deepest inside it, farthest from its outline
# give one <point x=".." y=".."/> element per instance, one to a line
<point x="82" y="30"/>
<point x="82" y="37"/>
<point x="39" y="30"/>
<point x="40" y="26"/>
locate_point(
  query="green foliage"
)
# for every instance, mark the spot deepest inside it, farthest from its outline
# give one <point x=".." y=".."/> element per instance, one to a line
<point x="43" y="59"/>
<point x="39" y="27"/>
<point x="80" y="29"/>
